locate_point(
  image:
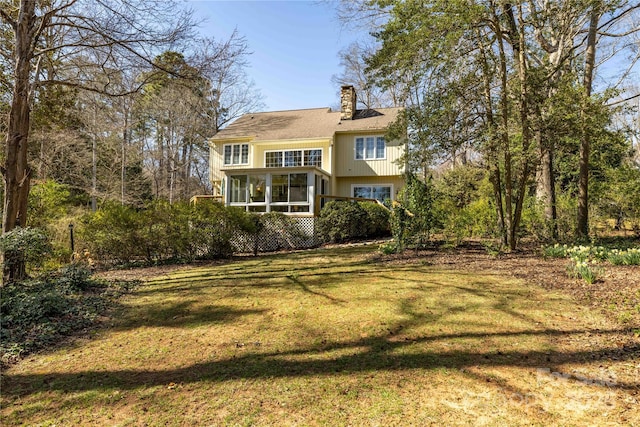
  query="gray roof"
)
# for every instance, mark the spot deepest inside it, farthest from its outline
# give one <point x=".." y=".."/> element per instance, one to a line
<point x="301" y="124"/>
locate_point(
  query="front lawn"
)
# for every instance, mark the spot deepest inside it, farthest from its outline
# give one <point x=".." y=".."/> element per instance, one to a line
<point x="336" y="337"/>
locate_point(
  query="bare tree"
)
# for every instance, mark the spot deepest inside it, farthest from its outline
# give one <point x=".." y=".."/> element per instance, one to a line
<point x="355" y="73"/>
<point x="181" y="114"/>
<point x="85" y="39"/>
<point x="230" y="93"/>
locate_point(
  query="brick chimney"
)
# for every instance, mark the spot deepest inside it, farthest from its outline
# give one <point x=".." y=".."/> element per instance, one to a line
<point x="347" y="102"/>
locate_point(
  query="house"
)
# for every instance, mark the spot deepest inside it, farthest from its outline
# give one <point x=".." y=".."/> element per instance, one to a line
<point x="284" y="161"/>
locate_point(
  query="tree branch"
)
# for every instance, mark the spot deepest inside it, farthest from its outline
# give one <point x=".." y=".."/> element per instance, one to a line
<point x="8" y="19"/>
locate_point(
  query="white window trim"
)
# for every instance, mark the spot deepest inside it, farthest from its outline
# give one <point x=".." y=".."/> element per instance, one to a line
<point x="240" y="144"/>
<point x="293" y="149"/>
<point x="375" y="146"/>
<point x="353" y="186"/>
<point x="268" y="203"/>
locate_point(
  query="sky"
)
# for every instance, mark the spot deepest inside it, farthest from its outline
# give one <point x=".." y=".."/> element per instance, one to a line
<point x="295" y="47"/>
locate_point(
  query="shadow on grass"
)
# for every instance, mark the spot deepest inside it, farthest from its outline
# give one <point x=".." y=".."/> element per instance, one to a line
<point x="381" y="353"/>
<point x="305" y="288"/>
<point x="182" y="314"/>
<point x="386" y="351"/>
<point x="255" y="273"/>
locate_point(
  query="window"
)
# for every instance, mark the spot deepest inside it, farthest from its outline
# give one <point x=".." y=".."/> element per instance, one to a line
<point x="279" y="188"/>
<point x="313" y="158"/>
<point x="378" y="192"/>
<point x="370" y="148"/>
<point x="289" y="188"/>
<point x="273" y="159"/>
<point x="238" y="188"/>
<point x="257" y="188"/>
<point x="298" y="187"/>
<point x="289" y="192"/>
<point x="293" y="158"/>
<point x="247" y="188"/>
<point x="236" y="154"/>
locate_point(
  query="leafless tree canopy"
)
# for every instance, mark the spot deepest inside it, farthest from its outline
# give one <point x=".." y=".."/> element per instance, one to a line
<point x="54" y="52"/>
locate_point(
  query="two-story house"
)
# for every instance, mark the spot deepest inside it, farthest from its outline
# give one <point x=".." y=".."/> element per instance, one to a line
<point x="280" y="161"/>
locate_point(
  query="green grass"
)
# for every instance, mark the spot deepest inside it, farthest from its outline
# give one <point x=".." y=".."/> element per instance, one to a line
<point x="326" y="337"/>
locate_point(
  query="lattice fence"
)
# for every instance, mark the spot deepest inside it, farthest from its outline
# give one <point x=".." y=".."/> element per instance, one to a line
<point x="288" y="233"/>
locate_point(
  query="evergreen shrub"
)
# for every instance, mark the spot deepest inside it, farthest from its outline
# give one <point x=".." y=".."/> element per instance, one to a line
<point x="341" y="221"/>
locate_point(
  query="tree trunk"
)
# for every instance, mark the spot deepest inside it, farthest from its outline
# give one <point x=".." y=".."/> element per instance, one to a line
<point x="16" y="171"/>
<point x="546" y="191"/>
<point x="509" y="219"/>
<point x="519" y="57"/>
<point x="494" y="167"/>
<point x="123" y="164"/>
<point x="583" y="180"/>
<point x="94" y="164"/>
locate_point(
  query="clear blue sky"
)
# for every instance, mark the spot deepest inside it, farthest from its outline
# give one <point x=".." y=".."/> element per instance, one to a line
<point x="295" y="47"/>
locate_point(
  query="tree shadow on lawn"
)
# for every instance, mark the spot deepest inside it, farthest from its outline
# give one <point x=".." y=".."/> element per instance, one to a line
<point x="182" y="314"/>
<point x="316" y="276"/>
<point x="386" y="351"/>
<point x="195" y="311"/>
<point x="379" y="353"/>
<point x="267" y="266"/>
<point x="255" y="274"/>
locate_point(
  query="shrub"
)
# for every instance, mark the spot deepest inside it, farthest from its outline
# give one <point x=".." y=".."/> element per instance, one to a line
<point x="74" y="276"/>
<point x="467" y="209"/>
<point x="620" y="199"/>
<point x="27" y="246"/>
<point x="163" y="231"/>
<point x="212" y="227"/>
<point x="377" y="224"/>
<point x="461" y="185"/>
<point x="37" y="312"/>
<point x="114" y="233"/>
<point x="341" y="221"/>
<point x="566" y="212"/>
<point x="48" y="201"/>
<point x="413" y="218"/>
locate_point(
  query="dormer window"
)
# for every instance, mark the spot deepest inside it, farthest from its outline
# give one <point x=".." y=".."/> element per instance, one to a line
<point x="370" y="148"/>
<point x="236" y="154"/>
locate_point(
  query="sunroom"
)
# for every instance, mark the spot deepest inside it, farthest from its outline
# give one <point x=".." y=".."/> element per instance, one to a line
<point x="289" y="190"/>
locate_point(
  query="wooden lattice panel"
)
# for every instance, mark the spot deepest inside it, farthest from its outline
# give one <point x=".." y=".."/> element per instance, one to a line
<point x="295" y="233"/>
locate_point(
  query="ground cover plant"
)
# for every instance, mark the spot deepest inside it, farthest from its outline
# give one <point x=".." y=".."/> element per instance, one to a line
<point x="41" y="311"/>
<point x="341" y="336"/>
<point x="586" y="261"/>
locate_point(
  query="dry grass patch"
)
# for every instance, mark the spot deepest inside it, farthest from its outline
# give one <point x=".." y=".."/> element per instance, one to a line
<point x="332" y="337"/>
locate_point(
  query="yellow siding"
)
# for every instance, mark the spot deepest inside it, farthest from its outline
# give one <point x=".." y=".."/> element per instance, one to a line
<point x="346" y="165"/>
<point x="338" y="159"/>
<point x="344" y="184"/>
<point x="215" y="162"/>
